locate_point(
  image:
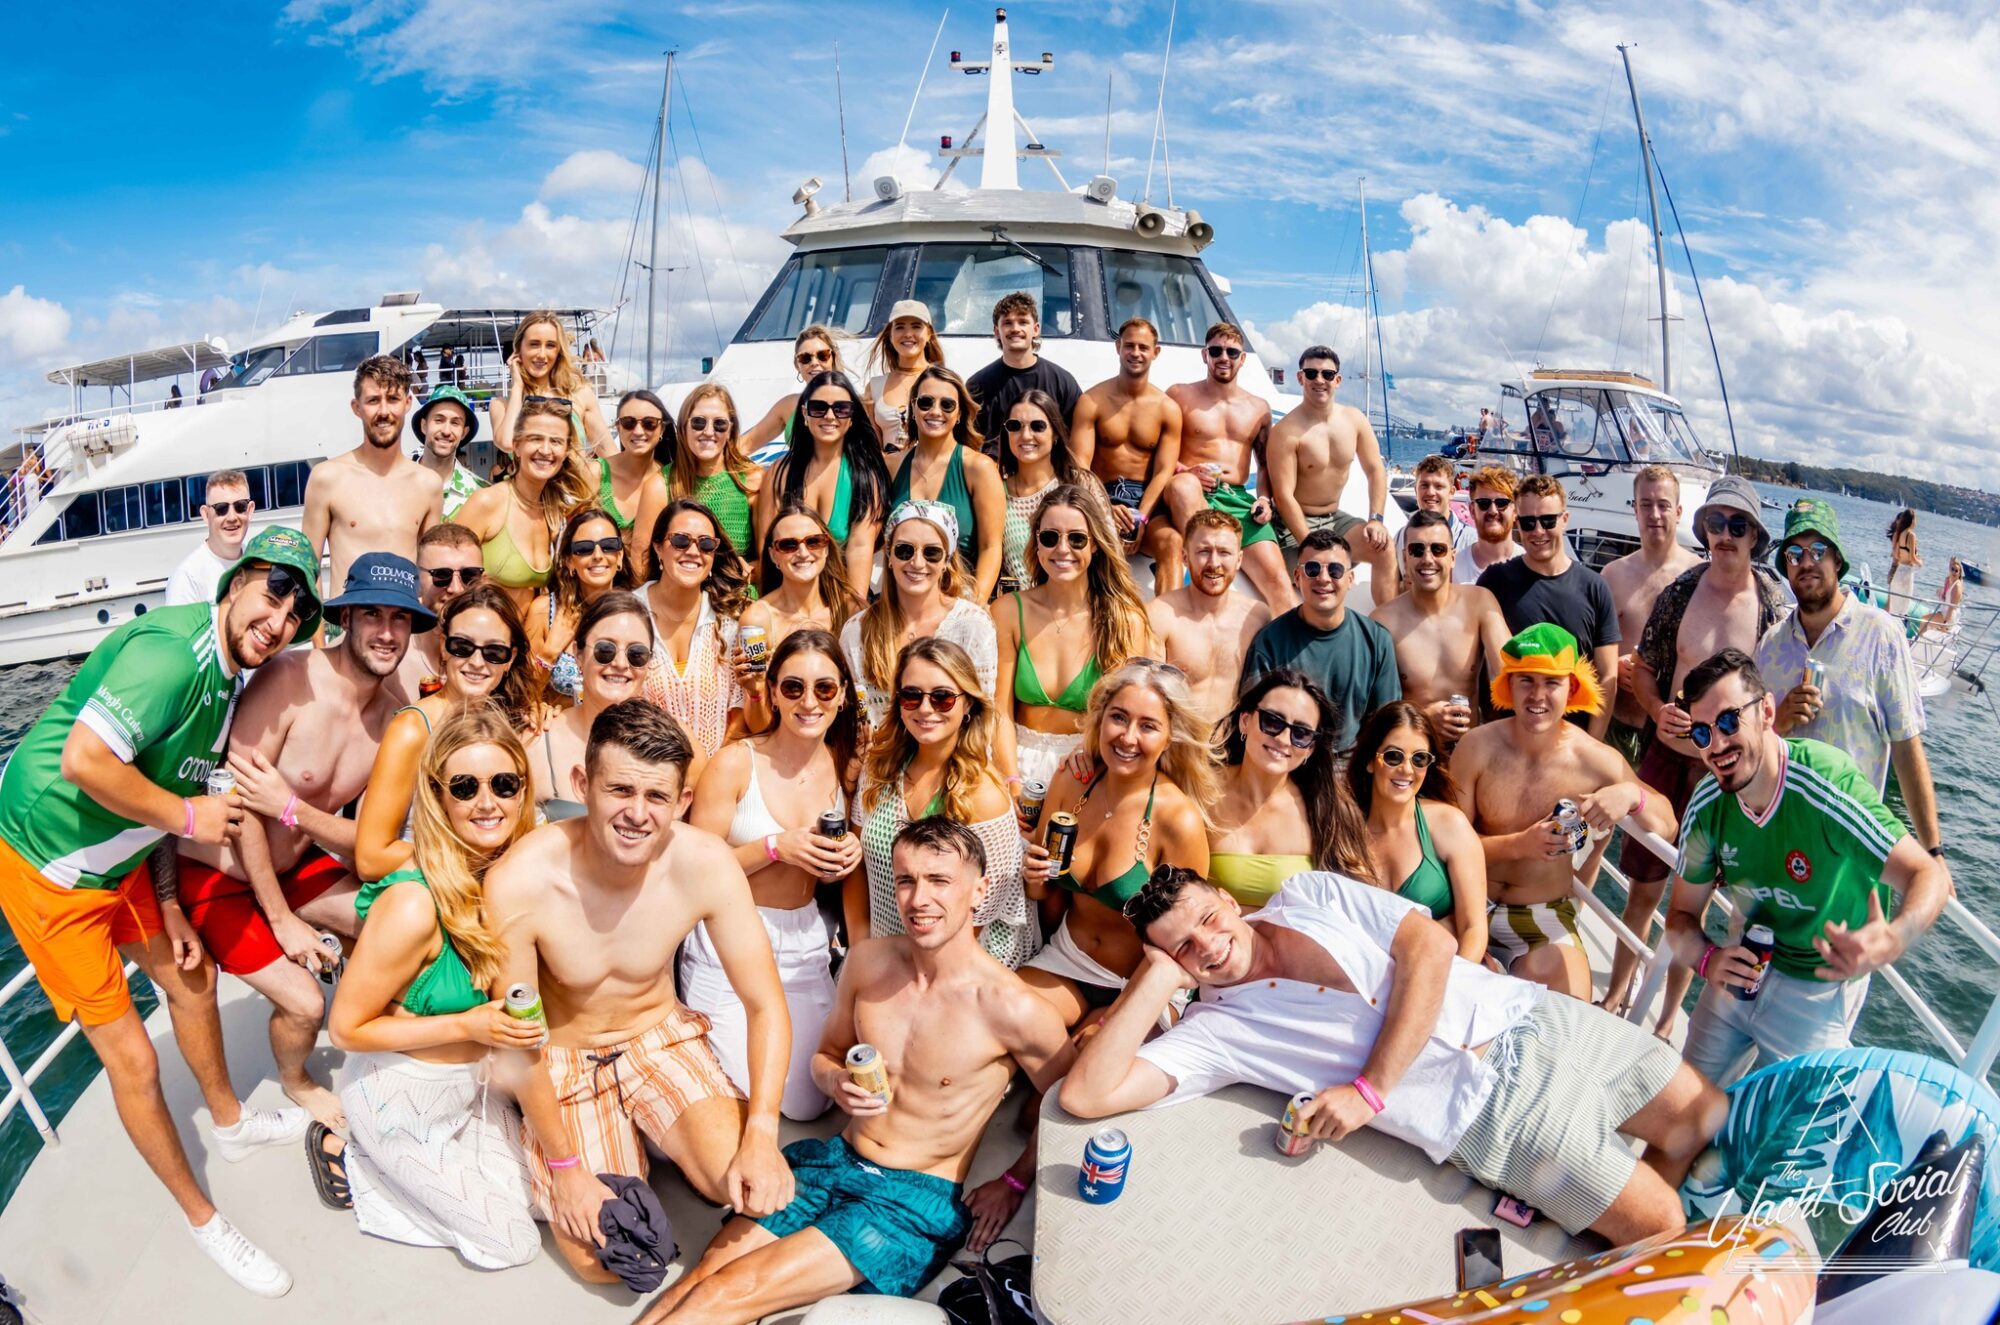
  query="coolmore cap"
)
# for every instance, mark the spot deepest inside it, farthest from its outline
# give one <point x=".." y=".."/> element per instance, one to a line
<point x="1548" y="650"/>
<point x="279" y="546"/>
<point x="1730" y="493"/>
<point x="911" y="308"/>
<point x="1811" y="515"/>
<point x="383" y="579"/>
<point x="446" y="395"/>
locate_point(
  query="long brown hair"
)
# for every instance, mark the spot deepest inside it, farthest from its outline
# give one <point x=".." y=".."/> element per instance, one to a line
<point x="882" y="355"/>
<point x="971" y="759"/>
<point x="1119" y="626"/>
<point x="1337" y="826"/>
<point x="520" y="685"/>
<point x="965" y="423"/>
<point x="834" y="590"/>
<point x="728" y="578"/>
<point x="683" y="471"/>
<point x="564" y="588"/>
<point x="843" y="733"/>
<point x="882" y="623"/>
<point x="1375" y="729"/>
<point x="452" y="870"/>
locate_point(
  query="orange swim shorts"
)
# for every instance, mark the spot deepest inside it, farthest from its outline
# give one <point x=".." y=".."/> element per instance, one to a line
<point x="72" y="936"/>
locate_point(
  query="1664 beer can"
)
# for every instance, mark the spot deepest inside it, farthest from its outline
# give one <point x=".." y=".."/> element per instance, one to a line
<point x="221" y="782"/>
<point x="1107" y="1159"/>
<point x="1569" y="817"/>
<point x="865" y="1066"/>
<point x="1761" y="942"/>
<point x="1061" y="839"/>
<point x="1033" y="793"/>
<point x="753" y="641"/>
<point x="1292" y="1136"/>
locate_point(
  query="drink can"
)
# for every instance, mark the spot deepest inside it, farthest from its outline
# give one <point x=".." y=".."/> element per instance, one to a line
<point x="1211" y="469"/>
<point x="1007" y="584"/>
<point x="1061" y="839"/>
<point x="1569" y="817"/>
<point x="332" y="957"/>
<point x="1107" y="1159"/>
<point x="1816" y="675"/>
<point x="221" y="782"/>
<point x="523" y="1002"/>
<point x="832" y="823"/>
<point x="1292" y="1138"/>
<point x="1761" y="942"/>
<point x="865" y="1066"/>
<point x="428" y="686"/>
<point x="1460" y="702"/>
<point x="752" y="640"/>
<point x="1033" y="793"/>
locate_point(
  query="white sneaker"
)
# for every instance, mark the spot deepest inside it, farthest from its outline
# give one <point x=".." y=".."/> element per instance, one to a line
<point x="260" y="1127"/>
<point x="240" y="1258"/>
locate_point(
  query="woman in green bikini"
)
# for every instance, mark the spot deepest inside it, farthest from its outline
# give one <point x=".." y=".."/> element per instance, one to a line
<point x="834" y="465"/>
<point x="946" y="465"/>
<point x="1142" y="809"/>
<point x="1283" y="810"/>
<point x="1423" y="846"/>
<point x="629" y="486"/>
<point x="519" y="519"/>
<point x="708" y="464"/>
<point x="413" y="1015"/>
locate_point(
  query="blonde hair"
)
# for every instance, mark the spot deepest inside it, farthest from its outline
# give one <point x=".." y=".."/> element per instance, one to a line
<point x="1189" y="759"/>
<point x="882" y="623"/>
<point x="563" y="374"/>
<point x="1119" y="626"/>
<point x="971" y="761"/>
<point x="453" y="871"/>
<point x="819" y="331"/>
<point x="882" y="355"/>
<point x="573" y="484"/>
<point x="683" y="472"/>
<point x="1658" y="474"/>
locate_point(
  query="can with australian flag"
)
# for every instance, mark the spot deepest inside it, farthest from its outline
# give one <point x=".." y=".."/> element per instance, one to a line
<point x="1107" y="1158"/>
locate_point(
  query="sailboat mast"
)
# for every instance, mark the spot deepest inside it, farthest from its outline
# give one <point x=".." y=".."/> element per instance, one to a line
<point x="1659" y="238"/>
<point x="653" y="253"/>
<point x="1367" y="299"/>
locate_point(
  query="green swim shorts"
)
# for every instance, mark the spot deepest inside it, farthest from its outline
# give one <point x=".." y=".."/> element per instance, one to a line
<point x="895" y="1227"/>
<point x="1235" y="499"/>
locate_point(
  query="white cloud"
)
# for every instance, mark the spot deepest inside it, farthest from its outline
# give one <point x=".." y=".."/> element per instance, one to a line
<point x="911" y="166"/>
<point x="595" y="172"/>
<point x="31" y="327"/>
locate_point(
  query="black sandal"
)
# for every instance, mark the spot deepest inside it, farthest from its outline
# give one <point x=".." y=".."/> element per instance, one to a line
<point x="329" y="1173"/>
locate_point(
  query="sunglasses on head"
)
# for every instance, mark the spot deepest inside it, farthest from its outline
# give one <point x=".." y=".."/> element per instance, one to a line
<point x="1728" y="723"/>
<point x="938" y="404"/>
<point x="241" y="506"/>
<point x="1393" y="758"/>
<point x="705" y="544"/>
<point x="284" y="582"/>
<point x="1492" y="503"/>
<point x="1438" y="550"/>
<point x="633" y="423"/>
<point x="605" y="652"/>
<point x="458" y="646"/>
<point x="584" y="547"/>
<point x="702" y="423"/>
<point x="825" y="689"/>
<point x="811" y="543"/>
<point x="1736" y="526"/>
<point x="942" y="698"/>
<point x="506" y="786"/>
<point x="1028" y="425"/>
<point x="1815" y="552"/>
<point x="1155" y="665"/>
<point x="1302" y="736"/>
<point x="441" y="576"/>
<point x="908" y="552"/>
<point x="1549" y="521"/>
<point x="1225" y="352"/>
<point x="1319" y="374"/>
<point x="1053" y="538"/>
<point x="546" y="400"/>
<point x="813" y="356"/>
<point x="819" y="409"/>
<point x="1314" y="570"/>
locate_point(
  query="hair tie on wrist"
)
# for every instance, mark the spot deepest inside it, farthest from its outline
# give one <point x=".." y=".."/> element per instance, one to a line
<point x="289" y="816"/>
<point x="1014" y="1182"/>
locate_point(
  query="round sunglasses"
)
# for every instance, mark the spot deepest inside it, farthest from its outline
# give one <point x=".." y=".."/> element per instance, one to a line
<point x="938" y="404"/>
<point x="605" y="652"/>
<point x="1331" y="570"/>
<point x="825" y="689"/>
<point x="1036" y="426"/>
<point x="942" y="698"/>
<point x="506" y="786"/>
<point x="702" y="423"/>
<point x="1727" y="723"/>
<point x="1392" y="757"/>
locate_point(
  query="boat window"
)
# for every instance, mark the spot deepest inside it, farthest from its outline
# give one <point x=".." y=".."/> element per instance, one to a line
<point x="288" y="485"/>
<point x="252" y="367"/>
<point x="960" y="283"/>
<point x="1574" y="423"/>
<point x="123" y="510"/>
<point x="163" y="502"/>
<point x="82" y="518"/>
<point x="835" y="287"/>
<point x="1677" y="444"/>
<point x="332" y="354"/>
<point x="172" y="501"/>
<point x="1165" y="289"/>
<point x="259" y="480"/>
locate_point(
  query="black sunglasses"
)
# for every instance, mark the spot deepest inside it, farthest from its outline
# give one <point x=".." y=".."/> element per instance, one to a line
<point x="605" y="652"/>
<point x="1316" y="374"/>
<point x="825" y="689"/>
<point x="441" y="576"/>
<point x="458" y="646"/>
<point x="1052" y="538"/>
<point x="702" y="423"/>
<point x="1492" y="503"/>
<point x="1028" y="425"/>
<point x="1224" y="351"/>
<point x="704" y="544"/>
<point x="1332" y="570"/>
<point x="1271" y="724"/>
<point x="506" y="786"/>
<point x="811" y="543"/>
<point x="942" y="698"/>
<point x="818" y="409"/>
<point x="584" y="547"/>
<point x="1736" y="526"/>
<point x="908" y="552"/>
<point x="1728" y="723"/>
<point x="556" y="400"/>
<point x="1391" y="757"/>
<point x="283" y="582"/>
<point x="241" y="506"/>
<point x="1438" y="550"/>
<point x="1549" y="521"/>
<point x="941" y="404"/>
<point x="632" y="423"/>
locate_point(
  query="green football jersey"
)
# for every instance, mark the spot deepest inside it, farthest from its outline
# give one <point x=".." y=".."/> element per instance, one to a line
<point x="1812" y="858"/>
<point x="156" y="692"/>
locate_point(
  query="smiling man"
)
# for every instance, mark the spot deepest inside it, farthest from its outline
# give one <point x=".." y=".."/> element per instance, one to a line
<point x="592" y="911"/>
<point x="1017" y="326"/>
<point x="1352" y="657"/>
<point x="1636" y="581"/>
<point x="1310" y="453"/>
<point x="1129" y="432"/>
<point x="1442" y="630"/>
<point x="1489" y="539"/>
<point x="374" y="498"/>
<point x="1808" y="848"/>
<point x="1203" y="628"/>
<point x="226" y="509"/>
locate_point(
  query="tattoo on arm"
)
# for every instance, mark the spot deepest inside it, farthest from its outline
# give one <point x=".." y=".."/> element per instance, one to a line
<point x="165" y="867"/>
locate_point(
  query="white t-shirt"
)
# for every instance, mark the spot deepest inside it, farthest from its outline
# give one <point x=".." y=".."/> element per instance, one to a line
<point x="194" y="580"/>
<point x="1292" y="1037"/>
<point x="1462" y="569"/>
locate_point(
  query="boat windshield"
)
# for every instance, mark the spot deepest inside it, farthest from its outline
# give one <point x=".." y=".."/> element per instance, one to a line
<point x="1163" y="288"/>
<point x="831" y="287"/>
<point x="1609" y="426"/>
<point x="960" y="283"/>
<point x="341" y="353"/>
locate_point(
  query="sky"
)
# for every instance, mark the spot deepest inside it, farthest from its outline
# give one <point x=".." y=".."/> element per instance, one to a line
<point x="1834" y="167"/>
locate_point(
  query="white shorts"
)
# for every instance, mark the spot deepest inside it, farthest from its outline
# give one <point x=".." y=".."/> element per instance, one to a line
<point x="1788" y="1017"/>
<point x="1037" y="755"/>
<point x="802" y="944"/>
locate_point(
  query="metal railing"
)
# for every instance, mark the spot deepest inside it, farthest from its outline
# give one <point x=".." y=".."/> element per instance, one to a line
<point x="21" y="1084"/>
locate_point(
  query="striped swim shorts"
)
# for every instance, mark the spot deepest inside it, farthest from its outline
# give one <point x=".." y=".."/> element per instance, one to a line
<point x="1566" y="1077"/>
<point x="1512" y="931"/>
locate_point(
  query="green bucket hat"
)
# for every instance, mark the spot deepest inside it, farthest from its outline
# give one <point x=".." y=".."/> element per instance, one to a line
<point x="1811" y="515"/>
<point x="279" y="546"/>
<point x="442" y="395"/>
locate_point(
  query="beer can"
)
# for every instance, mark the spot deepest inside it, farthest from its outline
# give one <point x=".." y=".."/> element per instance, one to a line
<point x="1292" y="1136"/>
<point x="1210" y="468"/>
<point x="523" y="1002"/>
<point x="752" y="639"/>
<point x="428" y="686"/>
<point x="1761" y="942"/>
<point x="1569" y="817"/>
<point x="1033" y="793"/>
<point x="1007" y="584"/>
<point x="865" y="1066"/>
<point x="832" y="823"/>
<point x="1061" y="839"/>
<point x="221" y="782"/>
<point x="1816" y="675"/>
<point x="1460" y="702"/>
<point x="1107" y="1159"/>
<point x="332" y="958"/>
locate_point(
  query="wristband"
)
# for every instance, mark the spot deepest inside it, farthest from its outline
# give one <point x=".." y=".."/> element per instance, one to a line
<point x="1013" y="780"/>
<point x="569" y="1163"/>
<point x="1015" y="1183"/>
<point x="289" y="816"/>
<point x="1369" y="1095"/>
<point x="1641" y="806"/>
<point x="189" y="805"/>
<point x="1701" y="967"/>
<point x="1140" y="517"/>
<point x="771" y="847"/>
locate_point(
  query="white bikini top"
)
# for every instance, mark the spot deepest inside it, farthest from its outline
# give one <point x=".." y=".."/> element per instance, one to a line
<point x="888" y="418"/>
<point x="754" y="821"/>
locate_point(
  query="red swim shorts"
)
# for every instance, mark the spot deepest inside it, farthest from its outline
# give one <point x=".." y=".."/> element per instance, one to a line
<point x="225" y="913"/>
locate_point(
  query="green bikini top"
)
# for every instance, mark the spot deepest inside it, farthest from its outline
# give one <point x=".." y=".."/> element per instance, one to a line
<point x="1028" y="683"/>
<point x="953" y="492"/>
<point x="1127" y="885"/>
<point x="1428" y="885"/>
<point x="609" y="499"/>
<point x="444" y="986"/>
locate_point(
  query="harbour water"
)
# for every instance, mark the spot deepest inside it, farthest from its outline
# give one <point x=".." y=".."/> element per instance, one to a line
<point x="1947" y="968"/>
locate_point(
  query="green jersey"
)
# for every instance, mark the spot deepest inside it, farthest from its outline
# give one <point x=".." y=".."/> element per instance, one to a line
<point x="1813" y="857"/>
<point x="156" y="692"/>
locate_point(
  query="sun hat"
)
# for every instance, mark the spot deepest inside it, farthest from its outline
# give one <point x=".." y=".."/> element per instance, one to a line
<point x="447" y="395"/>
<point x="1811" y="515"/>
<point x="279" y="546"/>
<point x="1548" y="650"/>
<point x="930" y="512"/>
<point x="911" y="308"/>
<point x="1730" y="493"/>
<point x="383" y="579"/>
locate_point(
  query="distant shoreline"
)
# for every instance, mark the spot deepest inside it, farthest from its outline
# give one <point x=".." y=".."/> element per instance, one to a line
<point x="1973" y="504"/>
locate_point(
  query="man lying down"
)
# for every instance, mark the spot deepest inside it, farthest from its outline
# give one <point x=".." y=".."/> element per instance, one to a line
<point x="1356" y="995"/>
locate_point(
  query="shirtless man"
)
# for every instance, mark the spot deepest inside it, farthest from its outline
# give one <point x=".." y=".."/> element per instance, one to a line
<point x="1635" y="581"/>
<point x="1129" y="432"/>
<point x="374" y="498"/>
<point x="1310" y="453"/>
<point x="1222" y="427"/>
<point x="592" y="911"/>
<point x="1492" y="524"/>
<point x="1443" y="631"/>
<point x="302" y="746"/>
<point x="879" y="1205"/>
<point x="1510" y="774"/>
<point x="448" y="563"/>
<point x="1205" y="629"/>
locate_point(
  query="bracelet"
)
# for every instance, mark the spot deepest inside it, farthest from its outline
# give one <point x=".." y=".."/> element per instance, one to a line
<point x="569" y="1163"/>
<point x="1369" y="1095"/>
<point x="289" y="816"/>
<point x="1139" y="518"/>
<point x="1701" y="967"/>
<point x="1640" y="808"/>
<point x="1013" y="780"/>
<point x="771" y="847"/>
<point x="1014" y="1182"/>
<point x="189" y="806"/>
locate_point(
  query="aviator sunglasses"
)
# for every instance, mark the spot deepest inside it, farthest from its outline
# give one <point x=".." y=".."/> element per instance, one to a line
<point x="1728" y="723"/>
<point x="1054" y="538"/>
<point x="938" y="404"/>
<point x="1814" y="552"/>
<point x="1438" y="550"/>
<point x="908" y="552"/>
<point x="458" y="646"/>
<point x="506" y="786"/>
<point x="825" y="689"/>
<point x="1301" y="736"/>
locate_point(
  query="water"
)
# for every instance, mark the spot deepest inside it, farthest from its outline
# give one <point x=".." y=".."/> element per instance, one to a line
<point x="1947" y="968"/>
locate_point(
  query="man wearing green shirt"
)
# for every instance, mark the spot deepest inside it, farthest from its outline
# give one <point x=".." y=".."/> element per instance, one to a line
<point x="118" y="762"/>
<point x="1800" y="835"/>
<point x="1351" y="656"/>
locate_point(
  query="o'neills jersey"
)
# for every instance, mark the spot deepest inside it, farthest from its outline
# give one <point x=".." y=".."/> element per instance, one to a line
<point x="156" y="692"/>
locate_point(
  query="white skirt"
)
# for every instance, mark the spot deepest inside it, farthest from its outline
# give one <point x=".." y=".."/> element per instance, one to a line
<point x="1037" y="755"/>
<point x="802" y="944"/>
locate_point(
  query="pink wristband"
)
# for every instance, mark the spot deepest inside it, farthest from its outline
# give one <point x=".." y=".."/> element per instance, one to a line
<point x="1640" y="808"/>
<point x="1701" y="967"/>
<point x="1374" y="1101"/>
<point x="771" y="847"/>
<point x="189" y="806"/>
<point x="289" y="816"/>
<point x="1015" y="1183"/>
<point x="569" y="1163"/>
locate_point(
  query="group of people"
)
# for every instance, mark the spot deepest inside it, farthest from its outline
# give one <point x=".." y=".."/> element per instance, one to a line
<point x="735" y="768"/>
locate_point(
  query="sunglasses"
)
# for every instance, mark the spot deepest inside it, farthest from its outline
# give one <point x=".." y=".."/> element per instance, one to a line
<point x="1155" y="665"/>
<point x="1319" y="374"/>
<point x="442" y="576"/>
<point x="813" y="356"/>
<point x="458" y="646"/>
<point x="241" y="506"/>
<point x="1224" y="352"/>
<point x="283" y="582"/>
<point x="811" y="543"/>
<point x="938" y="404"/>
<point x="825" y="689"/>
<point x="605" y="652"/>
<point x="556" y="400"/>
<point x="1271" y="724"/>
<point x="1728" y="723"/>
<point x="1736" y="526"/>
<point x="506" y="786"/>
<point x="702" y="423"/>
<point x="630" y="423"/>
<point x="819" y="409"/>
<point x="1492" y="503"/>
<point x="1438" y="550"/>
<point x="1391" y="757"/>
<point x="584" y="547"/>
<point x="1028" y="425"/>
<point x="908" y="552"/>
<point x="1815" y="552"/>
<point x="1542" y="521"/>
<point x="1053" y="538"/>
<point x="942" y="699"/>
<point x="1331" y="570"/>
<point x="705" y="544"/>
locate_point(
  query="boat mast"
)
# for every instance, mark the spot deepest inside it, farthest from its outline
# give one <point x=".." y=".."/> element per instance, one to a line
<point x="1367" y="301"/>
<point x="653" y="254"/>
<point x="997" y="168"/>
<point x="1652" y="201"/>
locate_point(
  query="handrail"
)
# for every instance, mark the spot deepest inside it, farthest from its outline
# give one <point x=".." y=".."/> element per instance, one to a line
<point x="21" y="1084"/>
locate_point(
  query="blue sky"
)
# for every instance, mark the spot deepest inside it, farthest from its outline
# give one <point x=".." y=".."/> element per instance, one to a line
<point x="1834" y="167"/>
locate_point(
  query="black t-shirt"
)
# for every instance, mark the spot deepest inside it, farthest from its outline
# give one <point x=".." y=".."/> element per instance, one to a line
<point x="1578" y="600"/>
<point x="996" y="387"/>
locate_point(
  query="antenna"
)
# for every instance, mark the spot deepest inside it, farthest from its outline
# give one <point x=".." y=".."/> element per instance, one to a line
<point x="1107" y="124"/>
<point x="1160" y="108"/>
<point x="922" y="74"/>
<point x="840" y="102"/>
